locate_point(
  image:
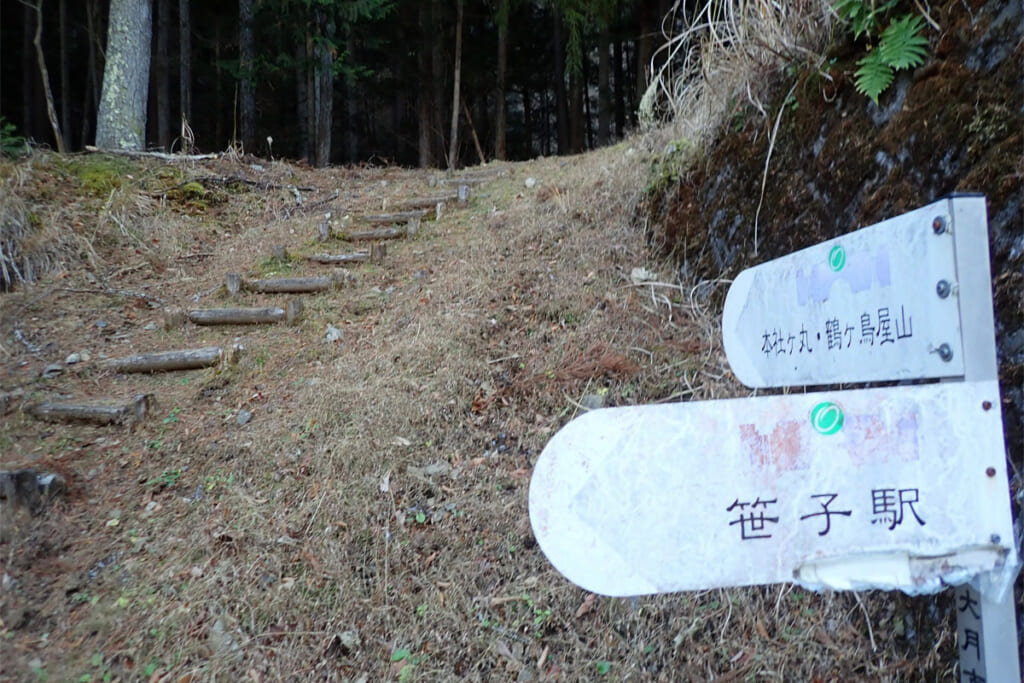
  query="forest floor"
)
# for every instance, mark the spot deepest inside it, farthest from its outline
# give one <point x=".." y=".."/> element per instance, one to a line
<point x="348" y="500"/>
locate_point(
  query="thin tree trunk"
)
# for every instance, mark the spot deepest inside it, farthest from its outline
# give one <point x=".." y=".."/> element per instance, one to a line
<point x="437" y="72"/>
<point x="91" y="99"/>
<point x="162" y="84"/>
<point x="528" y="121"/>
<point x="185" y="59"/>
<point x="561" y="98"/>
<point x="576" y="123"/>
<point x="499" y="96"/>
<point x="27" y="73"/>
<point x="423" y="104"/>
<point x="604" y="90"/>
<point x="65" y="79"/>
<point x="472" y="130"/>
<point x="247" y="85"/>
<point x="645" y="44"/>
<point x="324" y="88"/>
<point x="620" y="91"/>
<point x="352" y="105"/>
<point x="302" y="101"/>
<point x="453" y="140"/>
<point x="51" y="111"/>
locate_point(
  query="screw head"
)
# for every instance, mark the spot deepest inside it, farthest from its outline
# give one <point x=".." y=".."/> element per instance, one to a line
<point x="945" y="352"/>
<point x="995" y="538"/>
<point x="939" y="225"/>
<point x="986" y="405"/>
<point x="943" y="288"/>
<point x="990" y="471"/>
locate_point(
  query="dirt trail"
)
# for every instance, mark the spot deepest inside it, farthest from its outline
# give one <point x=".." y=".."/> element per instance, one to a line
<point x="347" y="501"/>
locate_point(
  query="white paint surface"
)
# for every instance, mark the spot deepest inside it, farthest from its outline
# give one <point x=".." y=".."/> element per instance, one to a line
<point x="630" y="501"/>
<point x="798" y="320"/>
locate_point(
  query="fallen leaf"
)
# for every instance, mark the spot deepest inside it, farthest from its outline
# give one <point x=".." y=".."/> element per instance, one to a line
<point x="589" y="603"/>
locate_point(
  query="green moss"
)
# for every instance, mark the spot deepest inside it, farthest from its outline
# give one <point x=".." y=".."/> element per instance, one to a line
<point x="100" y="174"/>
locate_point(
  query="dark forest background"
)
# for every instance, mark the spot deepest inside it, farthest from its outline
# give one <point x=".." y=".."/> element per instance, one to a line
<point x="345" y="81"/>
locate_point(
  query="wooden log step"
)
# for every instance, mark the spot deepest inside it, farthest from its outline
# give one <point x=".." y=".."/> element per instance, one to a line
<point x="168" y="361"/>
<point x="247" y="316"/>
<point x="282" y="285"/>
<point x="376" y="254"/>
<point x="106" y="413"/>
<point x="391" y="218"/>
<point x="428" y="202"/>
<point x="383" y="233"/>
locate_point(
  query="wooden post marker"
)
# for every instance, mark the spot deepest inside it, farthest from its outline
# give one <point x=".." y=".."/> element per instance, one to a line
<point x="902" y="487"/>
<point x="378" y="252"/>
<point x="233" y="283"/>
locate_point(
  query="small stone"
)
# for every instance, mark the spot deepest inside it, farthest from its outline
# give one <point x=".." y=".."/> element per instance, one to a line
<point x="52" y="370"/>
<point x="86" y="356"/>
<point x="333" y="333"/>
<point x="530" y="183"/>
<point x="592" y="401"/>
<point x="149" y="326"/>
<point x="102" y="324"/>
<point x="72" y="359"/>
<point x="244" y="416"/>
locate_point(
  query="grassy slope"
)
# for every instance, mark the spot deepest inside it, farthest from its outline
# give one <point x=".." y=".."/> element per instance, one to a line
<point x="306" y="543"/>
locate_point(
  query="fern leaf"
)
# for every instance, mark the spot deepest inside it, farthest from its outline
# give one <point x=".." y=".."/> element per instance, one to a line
<point x="902" y="46"/>
<point x="873" y="76"/>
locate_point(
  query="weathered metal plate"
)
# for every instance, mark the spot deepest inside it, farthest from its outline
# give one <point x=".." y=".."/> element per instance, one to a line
<point x="887" y="488"/>
<point x="859" y="308"/>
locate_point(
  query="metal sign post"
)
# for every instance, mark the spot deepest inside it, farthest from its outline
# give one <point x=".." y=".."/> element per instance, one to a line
<point x="846" y="490"/>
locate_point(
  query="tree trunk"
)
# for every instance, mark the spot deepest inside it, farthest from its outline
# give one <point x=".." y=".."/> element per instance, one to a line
<point x="162" y="83"/>
<point x="122" y="118"/>
<point x="352" y="104"/>
<point x="499" y="95"/>
<point x="528" y="122"/>
<point x="247" y="82"/>
<point x="423" y="104"/>
<point x="645" y="44"/>
<point x="620" y="92"/>
<point x="91" y="99"/>
<point x="453" y="140"/>
<point x="51" y="111"/>
<point x="561" y="98"/>
<point x="437" y="74"/>
<point x="604" y="90"/>
<point x="324" y="88"/>
<point x="302" y="102"/>
<point x="28" y="79"/>
<point x="65" y="79"/>
<point x="576" y="122"/>
<point x="185" y="59"/>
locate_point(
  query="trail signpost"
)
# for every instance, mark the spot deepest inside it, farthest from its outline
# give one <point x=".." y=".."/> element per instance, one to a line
<point x="893" y="488"/>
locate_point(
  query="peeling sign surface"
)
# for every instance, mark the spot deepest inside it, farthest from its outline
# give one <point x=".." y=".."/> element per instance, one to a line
<point x="853" y="489"/>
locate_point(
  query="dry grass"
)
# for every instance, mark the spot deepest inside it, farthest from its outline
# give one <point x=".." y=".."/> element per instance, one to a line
<point x="727" y="53"/>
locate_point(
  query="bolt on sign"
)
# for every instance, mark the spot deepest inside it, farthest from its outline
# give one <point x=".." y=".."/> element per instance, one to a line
<point x="894" y="488"/>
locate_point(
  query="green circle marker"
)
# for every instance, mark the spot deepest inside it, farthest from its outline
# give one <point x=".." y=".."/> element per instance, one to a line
<point x="837" y="258"/>
<point x="827" y="418"/>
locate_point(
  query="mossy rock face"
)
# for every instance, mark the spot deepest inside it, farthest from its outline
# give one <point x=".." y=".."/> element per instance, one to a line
<point x="839" y="163"/>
